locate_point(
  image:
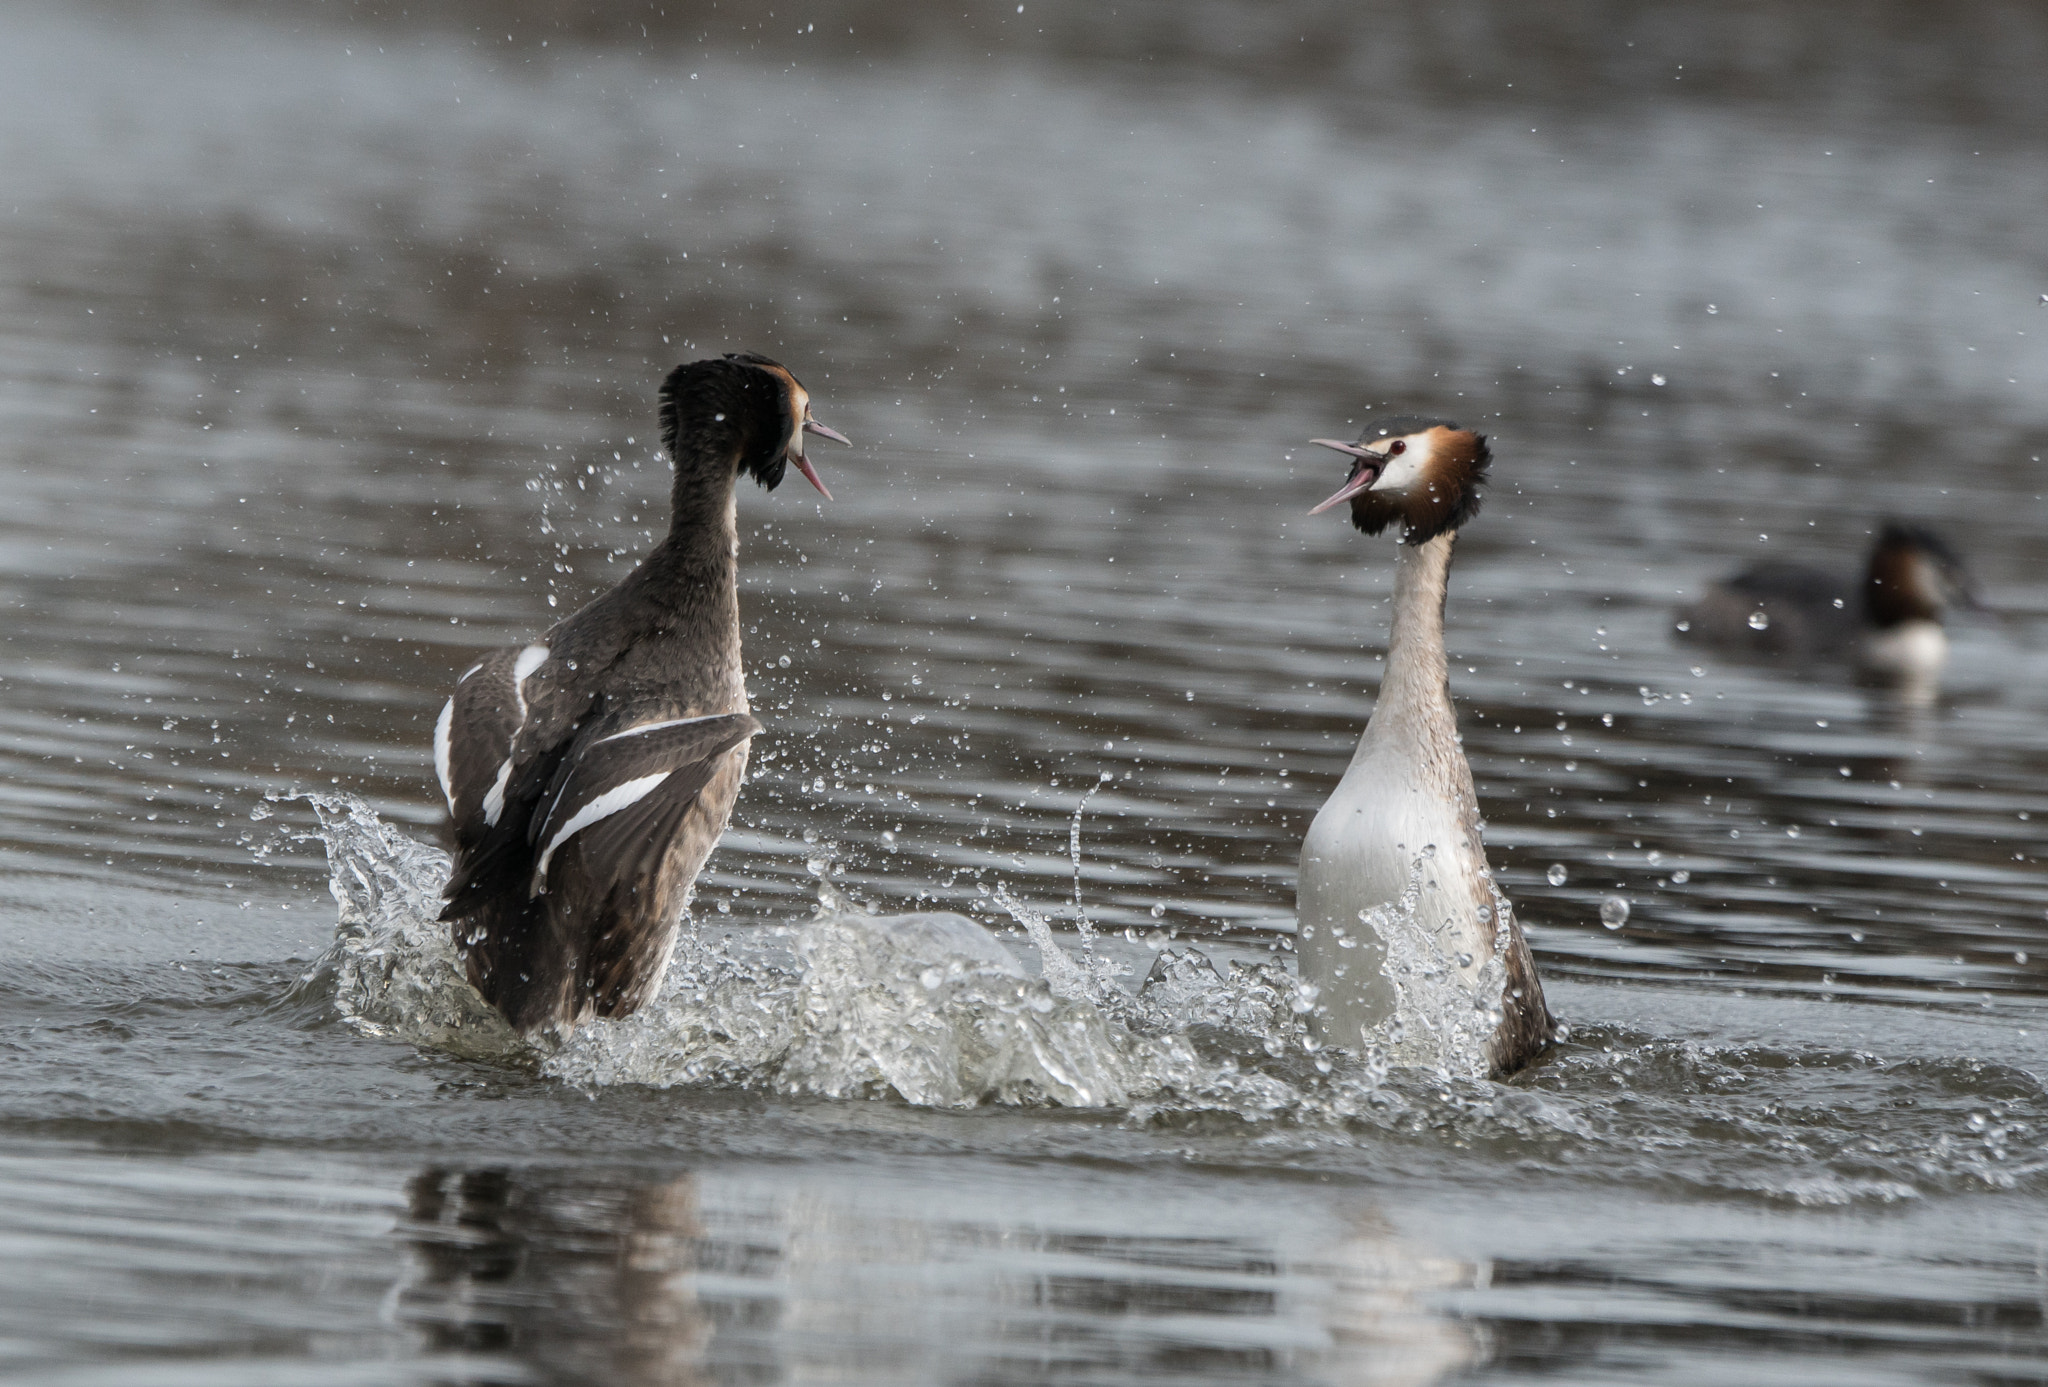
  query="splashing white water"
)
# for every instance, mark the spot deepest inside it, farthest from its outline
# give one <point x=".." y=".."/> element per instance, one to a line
<point x="1445" y="1012"/>
<point x="932" y="1007"/>
<point x="392" y="967"/>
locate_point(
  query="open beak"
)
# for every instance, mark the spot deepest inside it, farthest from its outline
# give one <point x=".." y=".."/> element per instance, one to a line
<point x="803" y="464"/>
<point x="1370" y="464"/>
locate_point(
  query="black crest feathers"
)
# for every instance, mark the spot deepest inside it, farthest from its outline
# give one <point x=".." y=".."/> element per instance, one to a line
<point x="712" y="409"/>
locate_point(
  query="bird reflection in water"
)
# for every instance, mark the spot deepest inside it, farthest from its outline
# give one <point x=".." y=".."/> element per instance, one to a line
<point x="534" y="1276"/>
<point x="569" y="1282"/>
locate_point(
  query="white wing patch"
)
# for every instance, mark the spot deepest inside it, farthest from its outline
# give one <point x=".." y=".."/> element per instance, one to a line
<point x="494" y="798"/>
<point x="619" y="797"/>
<point x="444" y="751"/>
<point x="647" y="727"/>
<point x="530" y="659"/>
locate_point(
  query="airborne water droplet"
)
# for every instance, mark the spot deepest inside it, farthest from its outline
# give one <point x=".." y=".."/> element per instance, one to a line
<point x="1759" y="620"/>
<point x="1556" y="875"/>
<point x="1614" y="912"/>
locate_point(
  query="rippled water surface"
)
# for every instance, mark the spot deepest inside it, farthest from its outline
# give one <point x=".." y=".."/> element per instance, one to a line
<point x="329" y="350"/>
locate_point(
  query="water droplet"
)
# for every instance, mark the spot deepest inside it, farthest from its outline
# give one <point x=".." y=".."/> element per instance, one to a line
<point x="1464" y="959"/>
<point x="1680" y="877"/>
<point x="1713" y="308"/>
<point x="1977" y="1122"/>
<point x="1685" y="625"/>
<point x="1759" y="620"/>
<point x="1158" y="911"/>
<point x="2019" y="956"/>
<point x="1614" y="912"/>
<point x="1556" y="875"/>
<point x="1792" y="830"/>
<point x="1656" y="380"/>
<point x="810" y="835"/>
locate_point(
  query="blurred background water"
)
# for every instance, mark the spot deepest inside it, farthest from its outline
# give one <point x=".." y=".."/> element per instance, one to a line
<point x="328" y="341"/>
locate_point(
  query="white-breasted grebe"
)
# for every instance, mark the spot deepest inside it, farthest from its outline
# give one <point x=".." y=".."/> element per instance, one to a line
<point x="1406" y="810"/>
<point x="590" y="773"/>
<point x="1889" y="628"/>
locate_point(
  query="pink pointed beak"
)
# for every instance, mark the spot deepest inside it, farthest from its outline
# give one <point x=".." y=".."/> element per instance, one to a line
<point x="803" y="464"/>
<point x="1370" y="464"/>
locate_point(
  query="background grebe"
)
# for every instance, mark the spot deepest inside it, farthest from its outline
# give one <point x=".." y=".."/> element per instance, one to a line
<point x="1890" y="626"/>
<point x="590" y="774"/>
<point x="1406" y="811"/>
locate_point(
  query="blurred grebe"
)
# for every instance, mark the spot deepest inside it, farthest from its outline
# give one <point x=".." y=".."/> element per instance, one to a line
<point x="1891" y="628"/>
<point x="1409" y="789"/>
<point x="590" y="773"/>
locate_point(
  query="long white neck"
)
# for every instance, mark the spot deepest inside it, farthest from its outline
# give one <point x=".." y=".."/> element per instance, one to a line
<point x="1415" y="696"/>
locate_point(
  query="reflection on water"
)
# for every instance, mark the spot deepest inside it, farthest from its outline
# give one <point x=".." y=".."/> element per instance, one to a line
<point x="581" y="1284"/>
<point x="567" y="1278"/>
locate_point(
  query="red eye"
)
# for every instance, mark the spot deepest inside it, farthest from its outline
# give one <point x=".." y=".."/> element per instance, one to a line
<point x="1397" y="447"/>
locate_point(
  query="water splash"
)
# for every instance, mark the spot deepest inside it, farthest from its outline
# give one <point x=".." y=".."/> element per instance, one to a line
<point x="1445" y="1011"/>
<point x="932" y="1008"/>
<point x="392" y="968"/>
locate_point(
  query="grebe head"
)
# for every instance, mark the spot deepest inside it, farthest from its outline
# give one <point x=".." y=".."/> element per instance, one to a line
<point x="1425" y="473"/>
<point x="1914" y="576"/>
<point x="745" y="406"/>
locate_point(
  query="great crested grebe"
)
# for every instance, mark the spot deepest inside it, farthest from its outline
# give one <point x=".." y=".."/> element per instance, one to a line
<point x="590" y="773"/>
<point x="1406" y="811"/>
<point x="1890" y="629"/>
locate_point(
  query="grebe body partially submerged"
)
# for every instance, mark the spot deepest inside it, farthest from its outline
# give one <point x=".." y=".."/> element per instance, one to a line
<point x="1406" y="813"/>
<point x="591" y="772"/>
<point x="1888" y="627"/>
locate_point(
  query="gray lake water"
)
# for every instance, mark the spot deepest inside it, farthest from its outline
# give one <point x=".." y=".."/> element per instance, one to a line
<point x="327" y="353"/>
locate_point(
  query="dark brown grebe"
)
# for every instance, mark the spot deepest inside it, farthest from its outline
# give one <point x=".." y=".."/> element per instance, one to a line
<point x="590" y="773"/>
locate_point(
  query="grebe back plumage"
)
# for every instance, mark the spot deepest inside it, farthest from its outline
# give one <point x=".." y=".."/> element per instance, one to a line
<point x="1408" y="789"/>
